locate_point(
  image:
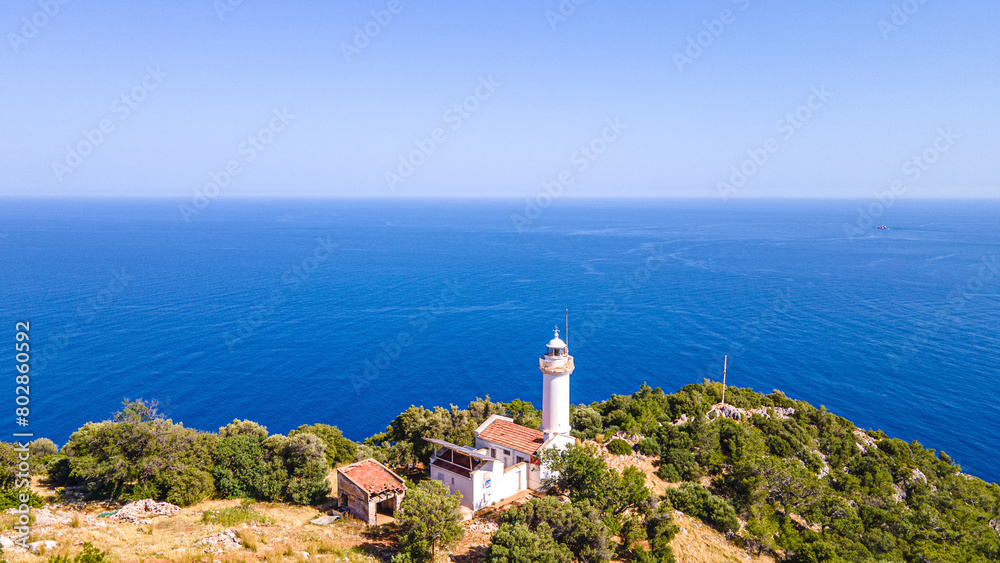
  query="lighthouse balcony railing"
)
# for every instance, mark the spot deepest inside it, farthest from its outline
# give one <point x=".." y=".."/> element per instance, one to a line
<point x="556" y="364"/>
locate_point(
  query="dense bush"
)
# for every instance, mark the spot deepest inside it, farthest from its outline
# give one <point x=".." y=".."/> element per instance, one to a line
<point x="695" y="500"/>
<point x="188" y="486"/>
<point x="272" y="468"/>
<point x="139" y="454"/>
<point x="516" y="543"/>
<point x="894" y="501"/>
<point x="58" y="471"/>
<point x="619" y="447"/>
<point x="578" y="526"/>
<point x="132" y="455"/>
<point x="11" y="498"/>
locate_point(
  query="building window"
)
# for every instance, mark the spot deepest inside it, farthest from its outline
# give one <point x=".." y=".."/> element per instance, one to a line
<point x="520" y="459"/>
<point x="506" y="452"/>
<point x="493" y="453"/>
<point x="452" y="480"/>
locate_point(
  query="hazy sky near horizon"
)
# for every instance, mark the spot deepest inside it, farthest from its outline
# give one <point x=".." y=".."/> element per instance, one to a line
<point x="409" y="99"/>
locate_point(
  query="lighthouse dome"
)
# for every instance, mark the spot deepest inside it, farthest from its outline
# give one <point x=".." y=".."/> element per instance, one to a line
<point x="556" y="343"/>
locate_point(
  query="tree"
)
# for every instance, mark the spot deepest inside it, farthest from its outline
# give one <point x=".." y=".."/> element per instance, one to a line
<point x="429" y="520"/>
<point x="339" y="450"/>
<point x="524" y="413"/>
<point x="243" y="427"/>
<point x="481" y="409"/>
<point x="306" y="463"/>
<point x="586" y="421"/>
<point x="40" y="451"/>
<point x="515" y="543"/>
<point x="577" y="525"/>
<point x="584" y="476"/>
<point x="660" y="530"/>
<point x="128" y="457"/>
<point x="241" y="469"/>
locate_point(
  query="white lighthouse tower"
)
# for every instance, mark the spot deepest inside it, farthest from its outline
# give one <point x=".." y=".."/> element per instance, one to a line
<point x="556" y="366"/>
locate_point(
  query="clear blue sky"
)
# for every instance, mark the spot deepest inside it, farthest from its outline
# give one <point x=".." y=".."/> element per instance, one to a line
<point x="554" y="85"/>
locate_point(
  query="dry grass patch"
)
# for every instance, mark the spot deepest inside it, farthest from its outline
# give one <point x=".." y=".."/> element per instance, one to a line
<point x="234" y="515"/>
<point x="248" y="538"/>
<point x="699" y="542"/>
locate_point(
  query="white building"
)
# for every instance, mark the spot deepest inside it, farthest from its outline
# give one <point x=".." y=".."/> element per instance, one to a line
<point x="505" y="459"/>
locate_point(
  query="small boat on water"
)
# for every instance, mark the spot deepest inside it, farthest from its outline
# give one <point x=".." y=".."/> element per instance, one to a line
<point x="882" y="227"/>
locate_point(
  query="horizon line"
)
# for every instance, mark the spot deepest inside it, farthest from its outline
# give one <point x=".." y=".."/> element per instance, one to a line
<point x="483" y="197"/>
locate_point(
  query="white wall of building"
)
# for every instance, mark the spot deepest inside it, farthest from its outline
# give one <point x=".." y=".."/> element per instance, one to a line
<point x="456" y="483"/>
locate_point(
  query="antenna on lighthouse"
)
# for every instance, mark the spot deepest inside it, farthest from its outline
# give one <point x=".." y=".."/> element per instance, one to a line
<point x="566" y="326"/>
<point x="725" y="359"/>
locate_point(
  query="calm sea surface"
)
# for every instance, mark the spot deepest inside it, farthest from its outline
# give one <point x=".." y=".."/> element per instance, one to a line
<point x="347" y="312"/>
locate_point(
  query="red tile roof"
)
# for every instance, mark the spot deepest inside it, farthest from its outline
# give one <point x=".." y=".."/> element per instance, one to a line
<point x="373" y="477"/>
<point x="514" y="436"/>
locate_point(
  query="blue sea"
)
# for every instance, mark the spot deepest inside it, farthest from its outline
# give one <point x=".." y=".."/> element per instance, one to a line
<point x="346" y="312"/>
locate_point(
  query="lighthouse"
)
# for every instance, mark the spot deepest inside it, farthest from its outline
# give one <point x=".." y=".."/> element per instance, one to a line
<point x="556" y="366"/>
<point x="509" y="458"/>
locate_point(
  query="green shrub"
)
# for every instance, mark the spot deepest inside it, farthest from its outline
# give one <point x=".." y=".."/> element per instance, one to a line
<point x="11" y="498"/>
<point x="90" y="554"/>
<point x="59" y="469"/>
<point x="648" y="446"/>
<point x="619" y="447"/>
<point x="188" y="486"/>
<point x="515" y="543"/>
<point x="695" y="500"/>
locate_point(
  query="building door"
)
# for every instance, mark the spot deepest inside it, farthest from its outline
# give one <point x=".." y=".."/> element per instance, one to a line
<point x="385" y="507"/>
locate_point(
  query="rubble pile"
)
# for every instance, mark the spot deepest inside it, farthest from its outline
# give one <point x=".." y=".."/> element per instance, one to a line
<point x="483" y="526"/>
<point x="220" y="542"/>
<point x="46" y="517"/>
<point x="735" y="413"/>
<point x="143" y="511"/>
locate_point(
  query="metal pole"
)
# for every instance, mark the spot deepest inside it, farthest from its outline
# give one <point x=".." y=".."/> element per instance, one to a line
<point x="725" y="360"/>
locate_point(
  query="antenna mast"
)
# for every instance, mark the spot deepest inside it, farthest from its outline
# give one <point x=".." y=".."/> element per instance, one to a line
<point x="566" y="326"/>
<point x="725" y="360"/>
